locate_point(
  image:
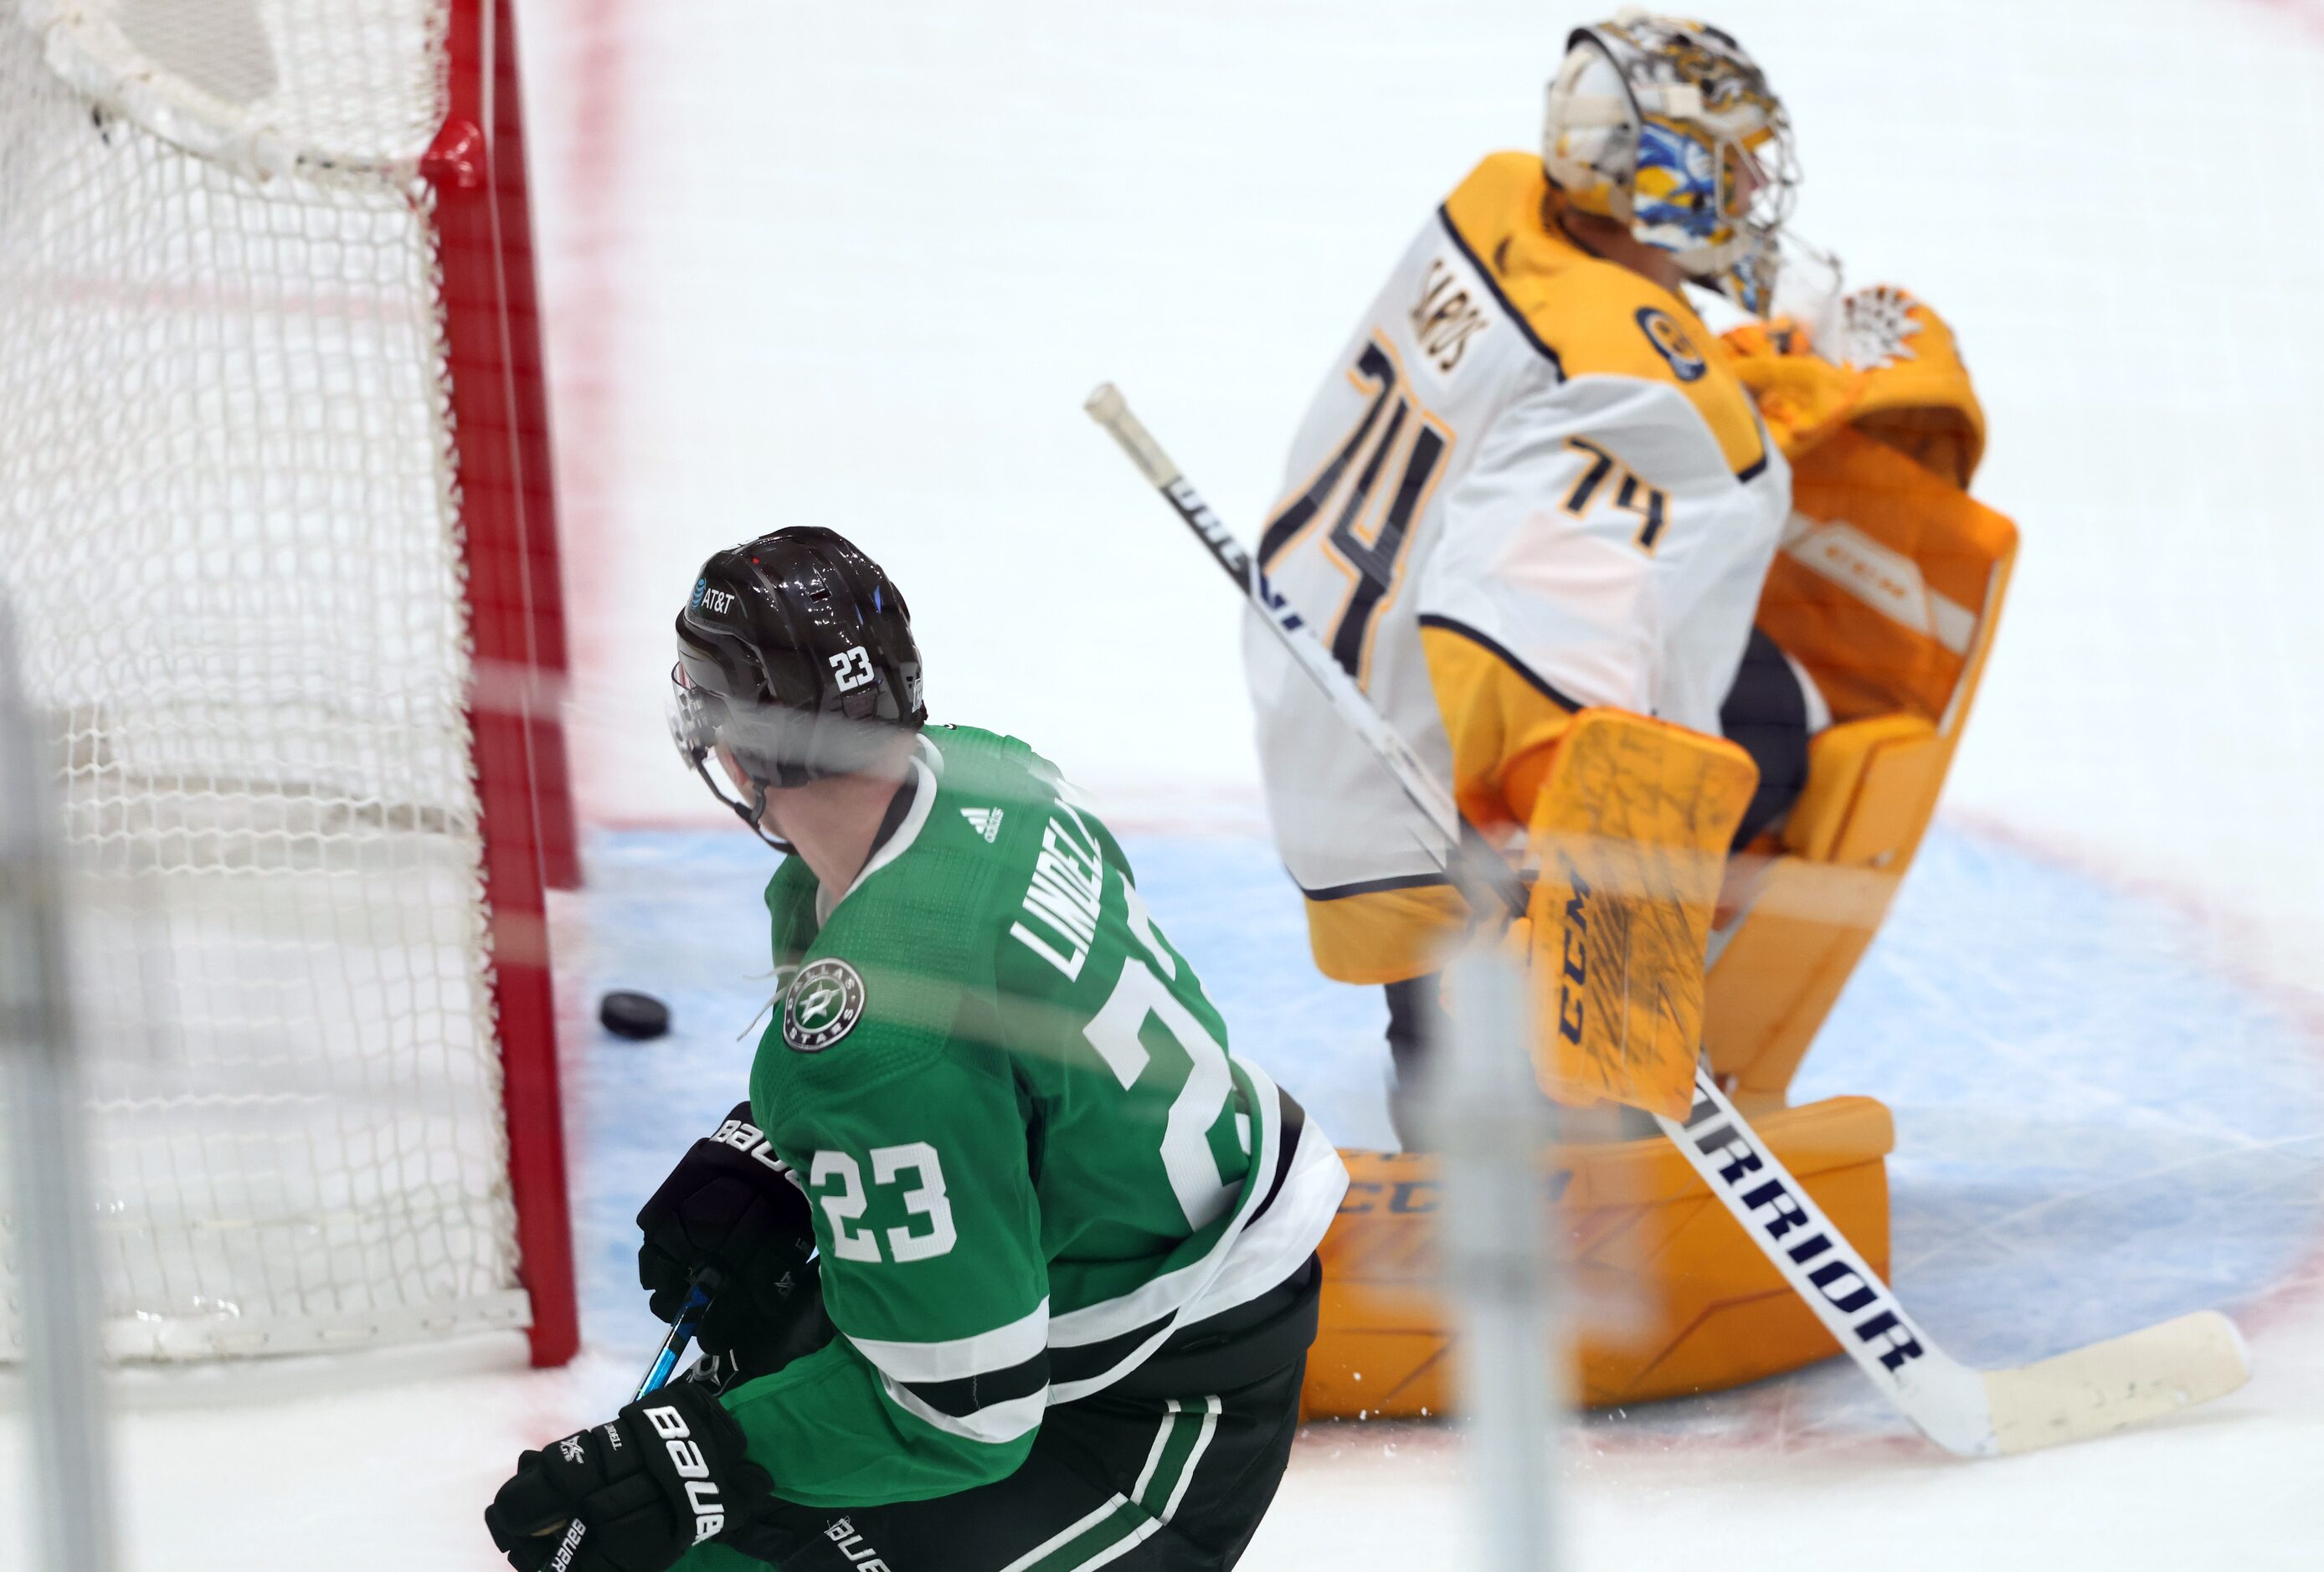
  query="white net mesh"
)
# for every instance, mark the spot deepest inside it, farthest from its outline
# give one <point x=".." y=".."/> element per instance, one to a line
<point x="227" y="524"/>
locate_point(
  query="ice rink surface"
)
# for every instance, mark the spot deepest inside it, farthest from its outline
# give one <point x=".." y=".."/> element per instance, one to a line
<point x="857" y="265"/>
<point x="2071" y="1162"/>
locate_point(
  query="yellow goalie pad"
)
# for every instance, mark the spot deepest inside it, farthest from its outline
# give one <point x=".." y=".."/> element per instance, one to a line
<point x="1629" y="837"/>
<point x="1888" y="591"/>
<point x="1667" y="1295"/>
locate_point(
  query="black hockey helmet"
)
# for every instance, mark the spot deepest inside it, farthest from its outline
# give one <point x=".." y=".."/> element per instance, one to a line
<point x="796" y="652"/>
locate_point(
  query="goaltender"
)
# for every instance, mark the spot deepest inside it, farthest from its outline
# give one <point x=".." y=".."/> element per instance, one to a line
<point x="1064" y="1281"/>
<point x="1532" y="510"/>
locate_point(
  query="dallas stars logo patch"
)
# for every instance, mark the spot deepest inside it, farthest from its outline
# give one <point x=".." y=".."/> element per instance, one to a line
<point x="824" y="1002"/>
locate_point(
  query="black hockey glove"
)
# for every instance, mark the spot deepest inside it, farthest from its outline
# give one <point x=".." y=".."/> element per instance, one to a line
<point x="669" y="1471"/>
<point x="730" y="1203"/>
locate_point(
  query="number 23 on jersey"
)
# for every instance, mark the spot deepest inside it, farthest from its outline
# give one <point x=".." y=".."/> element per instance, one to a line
<point x="836" y="1179"/>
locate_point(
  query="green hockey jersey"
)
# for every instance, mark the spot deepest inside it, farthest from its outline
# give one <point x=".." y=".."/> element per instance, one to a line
<point x="1029" y="1153"/>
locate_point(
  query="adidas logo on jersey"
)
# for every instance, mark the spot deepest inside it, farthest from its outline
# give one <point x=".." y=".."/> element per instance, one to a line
<point x="985" y="822"/>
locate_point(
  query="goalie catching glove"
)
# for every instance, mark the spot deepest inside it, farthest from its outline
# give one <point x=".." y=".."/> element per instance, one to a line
<point x="632" y="1495"/>
<point x="1892" y="371"/>
<point x="732" y="1204"/>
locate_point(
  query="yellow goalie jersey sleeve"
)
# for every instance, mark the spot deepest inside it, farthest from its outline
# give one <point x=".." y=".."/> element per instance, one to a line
<point x="1531" y="484"/>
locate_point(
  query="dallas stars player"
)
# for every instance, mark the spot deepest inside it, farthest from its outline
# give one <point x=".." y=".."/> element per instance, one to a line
<point x="1067" y="1238"/>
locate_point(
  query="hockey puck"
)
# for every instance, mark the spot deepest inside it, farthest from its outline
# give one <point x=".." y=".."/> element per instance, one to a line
<point x="637" y="1016"/>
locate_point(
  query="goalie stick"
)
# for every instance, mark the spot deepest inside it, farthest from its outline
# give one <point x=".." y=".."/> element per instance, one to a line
<point x="1972" y="1413"/>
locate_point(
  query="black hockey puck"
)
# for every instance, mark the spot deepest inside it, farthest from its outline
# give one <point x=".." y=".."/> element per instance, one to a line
<point x="637" y="1015"/>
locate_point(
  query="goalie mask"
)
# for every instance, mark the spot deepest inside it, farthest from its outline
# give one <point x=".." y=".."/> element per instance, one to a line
<point x="1668" y="126"/>
<point x="796" y="654"/>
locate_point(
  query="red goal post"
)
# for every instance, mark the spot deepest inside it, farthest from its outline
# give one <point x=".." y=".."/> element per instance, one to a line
<point x="500" y="417"/>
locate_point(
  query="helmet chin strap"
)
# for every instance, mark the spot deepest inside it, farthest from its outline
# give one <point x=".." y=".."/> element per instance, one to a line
<point x="750" y="813"/>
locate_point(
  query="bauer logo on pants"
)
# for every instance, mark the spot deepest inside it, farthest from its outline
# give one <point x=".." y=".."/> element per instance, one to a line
<point x="824" y="1002"/>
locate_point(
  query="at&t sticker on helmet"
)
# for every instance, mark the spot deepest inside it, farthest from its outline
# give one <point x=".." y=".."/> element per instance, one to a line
<point x="824" y="1002"/>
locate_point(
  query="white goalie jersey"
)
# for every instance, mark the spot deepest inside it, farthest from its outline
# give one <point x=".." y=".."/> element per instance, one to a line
<point x="1531" y="485"/>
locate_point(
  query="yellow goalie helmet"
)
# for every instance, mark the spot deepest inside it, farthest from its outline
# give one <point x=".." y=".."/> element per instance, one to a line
<point x="1669" y="126"/>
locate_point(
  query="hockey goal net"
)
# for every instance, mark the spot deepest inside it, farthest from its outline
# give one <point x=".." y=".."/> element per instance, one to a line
<point x="274" y="521"/>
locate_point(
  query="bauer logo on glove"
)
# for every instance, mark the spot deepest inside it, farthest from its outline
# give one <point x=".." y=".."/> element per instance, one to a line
<point x="630" y="1495"/>
<point x="746" y="1138"/>
<point x="693" y="1469"/>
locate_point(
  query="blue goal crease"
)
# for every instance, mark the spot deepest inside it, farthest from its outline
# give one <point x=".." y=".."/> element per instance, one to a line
<point x="2095" y="1129"/>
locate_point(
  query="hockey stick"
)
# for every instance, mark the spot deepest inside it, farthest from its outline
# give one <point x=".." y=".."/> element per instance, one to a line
<point x="1973" y="1413"/>
<point x="697" y="1304"/>
<point x="691" y="1311"/>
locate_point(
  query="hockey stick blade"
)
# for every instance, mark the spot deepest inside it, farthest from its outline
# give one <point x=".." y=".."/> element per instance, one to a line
<point x="1972" y="1413"/>
<point x="2121" y="1381"/>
